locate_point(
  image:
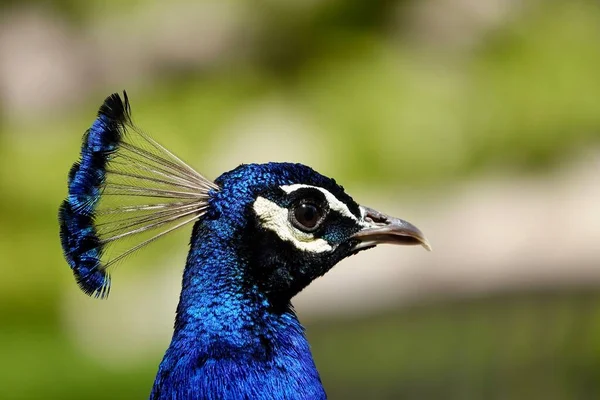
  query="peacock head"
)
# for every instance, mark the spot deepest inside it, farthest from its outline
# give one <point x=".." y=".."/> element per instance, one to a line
<point x="295" y="224"/>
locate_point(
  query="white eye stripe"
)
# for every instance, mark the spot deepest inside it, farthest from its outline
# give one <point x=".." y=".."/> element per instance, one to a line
<point x="334" y="202"/>
<point x="275" y="219"/>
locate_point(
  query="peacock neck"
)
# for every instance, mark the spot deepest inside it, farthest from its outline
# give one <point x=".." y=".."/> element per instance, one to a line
<point x="226" y="326"/>
<point x="219" y="306"/>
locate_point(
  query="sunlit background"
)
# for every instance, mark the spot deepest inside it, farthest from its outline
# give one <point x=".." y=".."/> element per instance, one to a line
<point x="477" y="120"/>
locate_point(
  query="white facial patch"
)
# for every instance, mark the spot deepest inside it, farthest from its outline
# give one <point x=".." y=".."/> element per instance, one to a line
<point x="275" y="218"/>
<point x="333" y="201"/>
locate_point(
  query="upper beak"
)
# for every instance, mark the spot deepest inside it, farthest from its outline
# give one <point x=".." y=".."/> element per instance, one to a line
<point x="380" y="228"/>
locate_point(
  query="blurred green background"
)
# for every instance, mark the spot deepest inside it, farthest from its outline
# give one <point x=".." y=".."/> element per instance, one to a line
<point x="461" y="113"/>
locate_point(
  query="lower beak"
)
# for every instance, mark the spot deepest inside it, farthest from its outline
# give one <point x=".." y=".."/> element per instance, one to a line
<point x="380" y="228"/>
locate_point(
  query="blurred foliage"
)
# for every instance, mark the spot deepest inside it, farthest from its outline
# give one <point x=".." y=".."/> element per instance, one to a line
<point x="524" y="99"/>
<point x="511" y="346"/>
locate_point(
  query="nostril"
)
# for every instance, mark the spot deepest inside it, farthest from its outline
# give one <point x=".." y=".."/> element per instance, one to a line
<point x="376" y="217"/>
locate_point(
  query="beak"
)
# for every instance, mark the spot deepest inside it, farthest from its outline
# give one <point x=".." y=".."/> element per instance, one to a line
<point x="380" y="228"/>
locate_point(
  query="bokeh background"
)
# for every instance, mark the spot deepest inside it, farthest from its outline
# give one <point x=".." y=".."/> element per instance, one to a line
<point x="477" y="120"/>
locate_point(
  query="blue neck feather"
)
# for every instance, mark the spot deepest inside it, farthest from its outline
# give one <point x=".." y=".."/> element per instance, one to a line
<point x="230" y="341"/>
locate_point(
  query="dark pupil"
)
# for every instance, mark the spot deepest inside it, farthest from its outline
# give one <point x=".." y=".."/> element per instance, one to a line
<point x="307" y="215"/>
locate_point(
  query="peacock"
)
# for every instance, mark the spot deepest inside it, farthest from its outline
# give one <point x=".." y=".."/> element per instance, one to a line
<point x="261" y="233"/>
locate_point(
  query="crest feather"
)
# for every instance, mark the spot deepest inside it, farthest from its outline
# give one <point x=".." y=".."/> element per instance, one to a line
<point x="125" y="192"/>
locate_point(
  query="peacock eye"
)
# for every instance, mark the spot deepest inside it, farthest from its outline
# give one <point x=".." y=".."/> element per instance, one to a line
<point x="307" y="216"/>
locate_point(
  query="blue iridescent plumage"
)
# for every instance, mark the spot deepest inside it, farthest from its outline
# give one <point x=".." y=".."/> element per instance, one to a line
<point x="262" y="233"/>
<point x="78" y="235"/>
